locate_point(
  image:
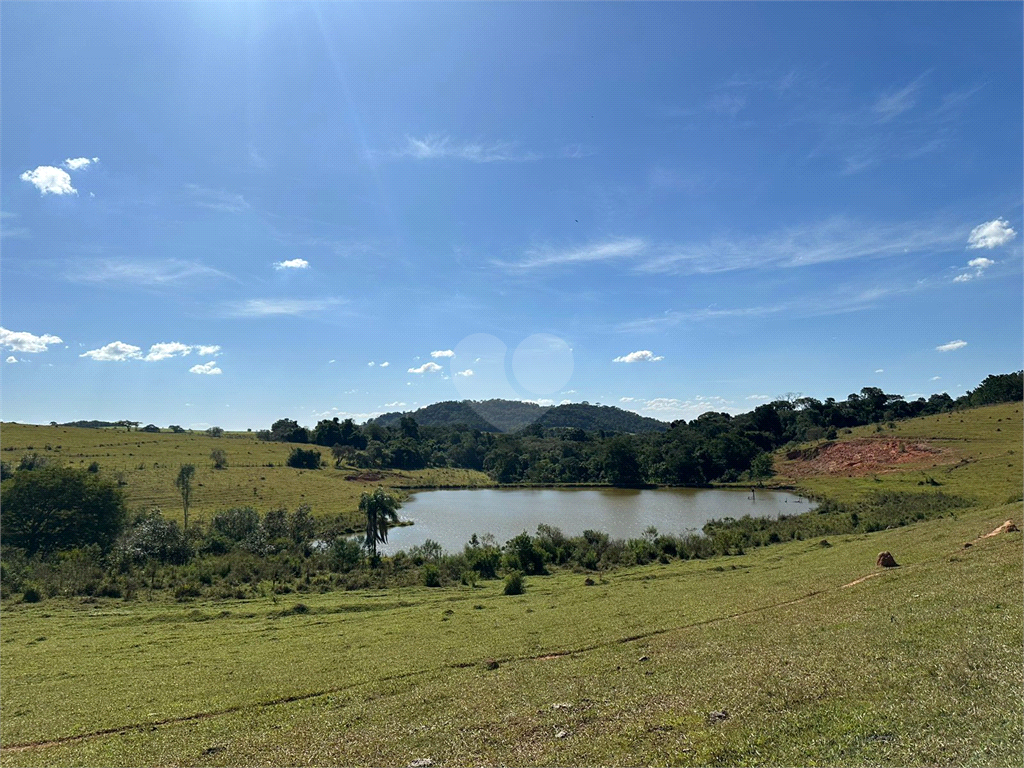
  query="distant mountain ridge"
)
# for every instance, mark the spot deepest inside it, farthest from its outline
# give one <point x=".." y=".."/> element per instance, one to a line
<point x="513" y="415"/>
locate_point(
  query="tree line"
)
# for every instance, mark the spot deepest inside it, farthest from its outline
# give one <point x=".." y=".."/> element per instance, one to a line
<point x="714" y="447"/>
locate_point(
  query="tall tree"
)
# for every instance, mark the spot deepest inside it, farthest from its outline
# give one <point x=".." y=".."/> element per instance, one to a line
<point x="381" y="510"/>
<point x="58" y="508"/>
<point x="183" y="482"/>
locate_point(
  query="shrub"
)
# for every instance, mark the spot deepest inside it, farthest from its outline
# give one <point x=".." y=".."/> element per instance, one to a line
<point x="514" y="584"/>
<point x="32" y="594"/>
<point x="302" y="458"/>
<point x="94" y="467"/>
<point x="219" y="457"/>
<point x="431" y="575"/>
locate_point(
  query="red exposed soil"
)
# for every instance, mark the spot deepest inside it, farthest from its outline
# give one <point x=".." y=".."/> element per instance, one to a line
<point x="863" y="456"/>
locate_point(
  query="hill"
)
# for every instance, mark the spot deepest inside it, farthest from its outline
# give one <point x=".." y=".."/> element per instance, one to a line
<point x="514" y="415"/>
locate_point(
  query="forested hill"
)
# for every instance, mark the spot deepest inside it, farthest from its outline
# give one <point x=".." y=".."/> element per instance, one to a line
<point x="591" y="418"/>
<point x="514" y="415"/>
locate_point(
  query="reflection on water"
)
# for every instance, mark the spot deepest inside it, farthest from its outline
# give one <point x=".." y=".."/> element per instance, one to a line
<point x="451" y="517"/>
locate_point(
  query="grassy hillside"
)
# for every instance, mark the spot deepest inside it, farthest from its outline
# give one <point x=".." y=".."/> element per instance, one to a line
<point x="784" y="655"/>
<point x="976" y="453"/>
<point x="256" y="475"/>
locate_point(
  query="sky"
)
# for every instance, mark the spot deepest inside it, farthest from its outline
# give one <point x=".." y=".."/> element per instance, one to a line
<point x="227" y="214"/>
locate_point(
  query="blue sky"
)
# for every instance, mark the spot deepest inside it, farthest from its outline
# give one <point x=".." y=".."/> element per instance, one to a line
<point x="224" y="213"/>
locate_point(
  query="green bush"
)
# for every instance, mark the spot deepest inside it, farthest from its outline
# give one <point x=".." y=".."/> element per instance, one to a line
<point x="514" y="584"/>
<point x="32" y="594"/>
<point x="301" y="458"/>
<point x="431" y="575"/>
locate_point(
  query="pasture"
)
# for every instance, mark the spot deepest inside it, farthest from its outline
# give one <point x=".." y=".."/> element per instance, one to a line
<point x="786" y="654"/>
<point x="256" y="474"/>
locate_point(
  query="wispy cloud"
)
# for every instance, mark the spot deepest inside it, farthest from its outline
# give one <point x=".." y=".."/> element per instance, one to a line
<point x="217" y="199"/>
<point x="991" y="234"/>
<point x="271" y="307"/>
<point x="139" y="272"/>
<point x="467" y="372"/>
<point x="838" y="302"/>
<point x="23" y="341"/>
<point x="50" y="180"/>
<point x="727" y="103"/>
<point x="951" y="346"/>
<point x="442" y="353"/>
<point x="426" y="368"/>
<point x="607" y="251"/>
<point x="836" y="239"/>
<point x="436" y="146"/>
<point x="292" y="264"/>
<point x="640" y="356"/>
<point x="895" y="103"/>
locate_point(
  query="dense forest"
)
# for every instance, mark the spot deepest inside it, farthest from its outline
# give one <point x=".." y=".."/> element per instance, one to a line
<point x="578" y="448"/>
<point x="514" y="415"/>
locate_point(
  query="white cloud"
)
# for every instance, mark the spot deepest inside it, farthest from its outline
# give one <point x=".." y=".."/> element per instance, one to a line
<point x="271" y="307"/>
<point x="292" y="264"/>
<point x="879" y="370"/>
<point x="467" y="372"/>
<point x="895" y="103"/>
<point x="50" y="180"/>
<point x="371" y="363"/>
<point x="209" y="369"/>
<point x="79" y="163"/>
<point x="608" y="251"/>
<point x="670" y="408"/>
<point x="958" y="344"/>
<point x="141" y="273"/>
<point x="991" y="234"/>
<point x="426" y="368"/>
<point x="433" y="147"/>
<point x="626" y="399"/>
<point x="442" y="353"/>
<point x="329" y="362"/>
<point x="393" y="405"/>
<point x="979" y="265"/>
<point x="23" y="341"/>
<point x="209" y="351"/>
<point x="642" y="355"/>
<point x="758" y="397"/>
<point x="164" y="350"/>
<point x="12" y="359"/>
<point x="936" y="378"/>
<point x="385" y="364"/>
<point x="115" y="351"/>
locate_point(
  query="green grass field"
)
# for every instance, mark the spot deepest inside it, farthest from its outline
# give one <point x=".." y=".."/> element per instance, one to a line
<point x="256" y="474"/>
<point x="918" y="665"/>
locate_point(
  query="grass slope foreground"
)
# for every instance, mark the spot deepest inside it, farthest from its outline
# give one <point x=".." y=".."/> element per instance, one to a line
<point x="798" y="653"/>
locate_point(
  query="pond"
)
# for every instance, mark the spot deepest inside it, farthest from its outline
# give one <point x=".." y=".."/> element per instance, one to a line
<point x="452" y="517"/>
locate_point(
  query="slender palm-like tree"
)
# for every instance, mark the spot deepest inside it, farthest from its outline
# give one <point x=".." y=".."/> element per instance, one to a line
<point x="381" y="510"/>
<point x="183" y="482"/>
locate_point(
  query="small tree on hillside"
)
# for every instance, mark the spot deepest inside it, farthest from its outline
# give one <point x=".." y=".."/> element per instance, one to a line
<point x="219" y="457"/>
<point x="183" y="482"/>
<point x="381" y="510"/>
